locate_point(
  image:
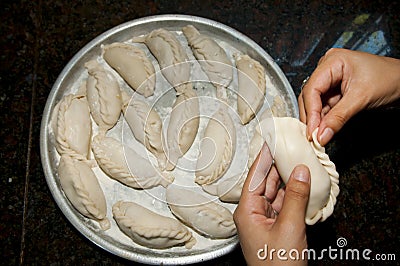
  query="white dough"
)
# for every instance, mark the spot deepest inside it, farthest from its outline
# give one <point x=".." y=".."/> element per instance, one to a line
<point x="83" y="190"/>
<point x="126" y="166"/>
<point x="251" y="87"/>
<point x="146" y="126"/>
<point x="287" y="140"/>
<point x="150" y="229"/>
<point x="228" y="190"/>
<point x="104" y="96"/>
<point x="71" y="126"/>
<point x="172" y="58"/>
<point x="200" y="213"/>
<point x="133" y="65"/>
<point x="183" y="126"/>
<point x="211" y="57"/>
<point x="216" y="148"/>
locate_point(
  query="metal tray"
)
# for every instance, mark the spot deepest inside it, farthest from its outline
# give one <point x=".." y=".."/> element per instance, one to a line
<point x="72" y="73"/>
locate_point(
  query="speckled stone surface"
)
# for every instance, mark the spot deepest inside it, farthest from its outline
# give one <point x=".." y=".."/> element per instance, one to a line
<point x="38" y="38"/>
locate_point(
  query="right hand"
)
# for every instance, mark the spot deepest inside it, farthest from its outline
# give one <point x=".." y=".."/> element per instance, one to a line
<point x="256" y="217"/>
<point x="344" y="83"/>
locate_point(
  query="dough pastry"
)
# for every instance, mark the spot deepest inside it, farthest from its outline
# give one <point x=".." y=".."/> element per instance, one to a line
<point x="146" y="126"/>
<point x="172" y="58"/>
<point x="150" y="229"/>
<point x="251" y="87"/>
<point x="71" y="126"/>
<point x="104" y="96"/>
<point x="133" y="65"/>
<point x="200" y="213"/>
<point x="211" y="57"/>
<point x="83" y="190"/>
<point x="228" y="190"/>
<point x="286" y="137"/>
<point x="183" y="126"/>
<point x="279" y="108"/>
<point x="125" y="165"/>
<point x="217" y="147"/>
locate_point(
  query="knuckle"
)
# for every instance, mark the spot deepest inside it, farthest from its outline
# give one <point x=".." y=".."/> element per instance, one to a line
<point x="336" y="118"/>
<point x="297" y="191"/>
<point x="236" y="216"/>
<point x="331" y="51"/>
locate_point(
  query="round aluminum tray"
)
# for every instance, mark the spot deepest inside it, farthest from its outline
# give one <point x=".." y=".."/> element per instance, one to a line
<point x="73" y="72"/>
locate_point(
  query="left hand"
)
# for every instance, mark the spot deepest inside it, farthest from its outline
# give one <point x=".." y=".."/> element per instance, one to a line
<point x="257" y="218"/>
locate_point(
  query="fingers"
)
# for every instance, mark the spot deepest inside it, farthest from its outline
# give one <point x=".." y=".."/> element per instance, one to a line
<point x="252" y="201"/>
<point x="310" y="108"/>
<point x="272" y="184"/>
<point x="258" y="171"/>
<point x="278" y="201"/>
<point x="335" y="118"/>
<point x="296" y="196"/>
<point x="327" y="75"/>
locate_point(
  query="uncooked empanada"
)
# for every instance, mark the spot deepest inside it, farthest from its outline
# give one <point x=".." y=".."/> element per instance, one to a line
<point x="228" y="190"/>
<point x="146" y="126"/>
<point x="104" y="96"/>
<point x="125" y="165"/>
<point x="200" y="213"/>
<point x="216" y="148"/>
<point x="71" y="126"/>
<point x="150" y="229"/>
<point x="251" y="87"/>
<point x="183" y="126"/>
<point x="83" y="190"/>
<point x="173" y="60"/>
<point x="278" y="107"/>
<point x="287" y="140"/>
<point x="133" y="65"/>
<point x="211" y="57"/>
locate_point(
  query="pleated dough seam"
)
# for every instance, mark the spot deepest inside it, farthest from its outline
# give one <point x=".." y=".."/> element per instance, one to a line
<point x="64" y="147"/>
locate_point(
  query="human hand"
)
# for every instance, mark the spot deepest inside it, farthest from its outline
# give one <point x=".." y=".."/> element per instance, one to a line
<point x="256" y="217"/>
<point x="344" y="83"/>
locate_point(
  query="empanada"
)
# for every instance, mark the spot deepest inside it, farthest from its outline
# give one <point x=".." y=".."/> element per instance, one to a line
<point x="287" y="140"/>
<point x="104" y="96"/>
<point x="150" y="229"/>
<point x="228" y="190"/>
<point x="251" y="87"/>
<point x="211" y="57"/>
<point x="183" y="126"/>
<point x="200" y="213"/>
<point x="125" y="165"/>
<point x="133" y="66"/>
<point x="71" y="126"/>
<point x="217" y="147"/>
<point x="83" y="190"/>
<point x="146" y="126"/>
<point x="172" y="58"/>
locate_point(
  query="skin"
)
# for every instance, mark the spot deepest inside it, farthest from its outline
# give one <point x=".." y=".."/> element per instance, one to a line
<point x="344" y="83"/>
<point x="256" y="221"/>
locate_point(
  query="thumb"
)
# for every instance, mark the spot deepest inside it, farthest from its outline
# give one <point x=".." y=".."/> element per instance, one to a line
<point x="296" y="196"/>
<point x="335" y="119"/>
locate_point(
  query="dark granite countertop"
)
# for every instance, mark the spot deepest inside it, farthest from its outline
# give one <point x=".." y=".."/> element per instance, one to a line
<point x="40" y="37"/>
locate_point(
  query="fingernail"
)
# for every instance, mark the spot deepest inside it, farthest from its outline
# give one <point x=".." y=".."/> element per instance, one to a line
<point x="326" y="136"/>
<point x="302" y="176"/>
